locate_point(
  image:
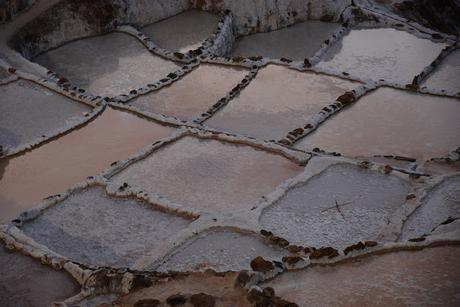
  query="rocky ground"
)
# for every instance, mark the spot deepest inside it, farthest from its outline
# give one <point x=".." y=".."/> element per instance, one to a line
<point x="229" y="153"/>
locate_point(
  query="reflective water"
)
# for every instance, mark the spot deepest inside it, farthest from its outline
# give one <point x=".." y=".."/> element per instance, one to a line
<point x="296" y="43"/>
<point x="341" y="206"/>
<point x="391" y="122"/>
<point x="277" y="101"/>
<point x="107" y="65"/>
<point x="29" y="111"/>
<point x="194" y="94"/>
<point x="94" y="229"/>
<point x="382" y="54"/>
<point x="54" y="167"/>
<point x="209" y="175"/>
<point x="430" y="277"/>
<point x="183" y="32"/>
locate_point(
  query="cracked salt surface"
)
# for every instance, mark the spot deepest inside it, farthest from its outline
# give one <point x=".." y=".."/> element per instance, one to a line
<point x="277" y="101"/>
<point x="194" y="94"/>
<point x="29" y="111"/>
<point x="183" y="32"/>
<point x="54" y="167"/>
<point x="108" y="65"/>
<point x="209" y="175"/>
<point x="91" y="228"/>
<point x="391" y="122"/>
<point x="376" y="54"/>
<point x="221" y="251"/>
<point x="308" y="215"/>
<point x="296" y="43"/>
<point x="446" y="75"/>
<point x="26" y="282"/>
<point x="440" y="205"/>
<point x="429" y="277"/>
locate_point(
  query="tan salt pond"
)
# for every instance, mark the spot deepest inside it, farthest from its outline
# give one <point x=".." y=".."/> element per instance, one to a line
<point x="194" y="94"/>
<point x="391" y="122"/>
<point x="429" y="277"/>
<point x="209" y="175"/>
<point x="56" y="166"/>
<point x="277" y="101"/>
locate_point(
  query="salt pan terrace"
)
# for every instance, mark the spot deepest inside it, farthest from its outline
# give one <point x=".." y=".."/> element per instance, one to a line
<point x="227" y="153"/>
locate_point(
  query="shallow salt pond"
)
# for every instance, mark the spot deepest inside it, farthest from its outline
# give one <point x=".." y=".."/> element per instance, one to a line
<point x="296" y="42"/>
<point x="308" y="215"/>
<point x="376" y="54"/>
<point x="54" y="167"/>
<point x="277" y="101"/>
<point x="209" y="175"/>
<point x="92" y="228"/>
<point x="442" y="204"/>
<point x="429" y="277"/>
<point x="183" y="32"/>
<point x="29" y="111"/>
<point x="447" y="75"/>
<point x="194" y="94"/>
<point x="391" y="122"/>
<point x="220" y="251"/>
<point x="108" y="65"/>
<point x="26" y="282"/>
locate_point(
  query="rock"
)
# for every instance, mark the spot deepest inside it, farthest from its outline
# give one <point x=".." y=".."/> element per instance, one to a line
<point x="295" y="249"/>
<point x="347" y="98"/>
<point x="242" y="279"/>
<point x="176" y="300"/>
<point x="279" y="241"/>
<point x="370" y="243"/>
<point x="324" y="252"/>
<point x="147" y="303"/>
<point x="202" y="300"/>
<point x="259" y="264"/>
<point x="268" y="292"/>
<point x="357" y="246"/>
<point x="292" y="260"/>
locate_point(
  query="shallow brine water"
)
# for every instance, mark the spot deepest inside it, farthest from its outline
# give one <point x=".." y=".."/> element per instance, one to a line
<point x="54" y="167"/>
<point x="277" y="101"/>
<point x="209" y="175"/>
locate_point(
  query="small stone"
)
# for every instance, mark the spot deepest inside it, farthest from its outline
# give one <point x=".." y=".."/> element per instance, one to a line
<point x="255" y="295"/>
<point x="176" y="300"/>
<point x="147" y="303"/>
<point x="285" y="60"/>
<point x="410" y="196"/>
<point x="421" y="239"/>
<point x="294" y="249"/>
<point x="242" y="279"/>
<point x="202" y="300"/>
<point x="357" y="246"/>
<point x="306" y="63"/>
<point x="279" y="241"/>
<point x="269" y="292"/>
<point x="266" y="233"/>
<point x="324" y="252"/>
<point x="347" y="98"/>
<point x="370" y="243"/>
<point x="11" y="70"/>
<point x="387" y="169"/>
<point x="291" y="260"/>
<point x="259" y="264"/>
